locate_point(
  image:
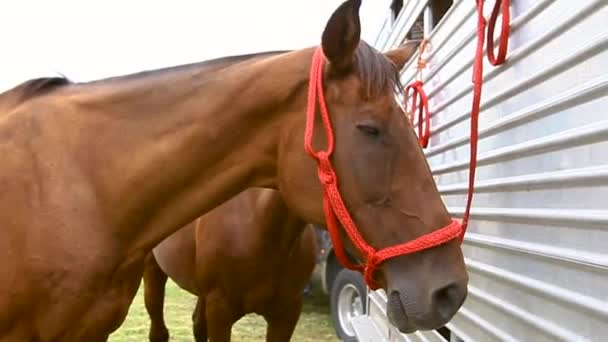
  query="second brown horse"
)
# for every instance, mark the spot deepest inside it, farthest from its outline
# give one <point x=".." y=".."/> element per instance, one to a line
<point x="250" y="254"/>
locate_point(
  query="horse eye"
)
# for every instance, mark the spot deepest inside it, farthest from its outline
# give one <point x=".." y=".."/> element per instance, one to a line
<point x="369" y="130"/>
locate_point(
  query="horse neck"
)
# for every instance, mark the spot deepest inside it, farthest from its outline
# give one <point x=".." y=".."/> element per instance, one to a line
<point x="168" y="149"/>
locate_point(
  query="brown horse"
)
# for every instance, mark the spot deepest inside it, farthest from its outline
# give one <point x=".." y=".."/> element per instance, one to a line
<point x="94" y="175"/>
<point x="250" y="254"/>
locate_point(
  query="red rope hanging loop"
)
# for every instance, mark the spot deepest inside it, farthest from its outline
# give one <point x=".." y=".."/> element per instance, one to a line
<point x="503" y="45"/>
<point x="419" y="100"/>
<point x="333" y="205"/>
<point x="499" y="5"/>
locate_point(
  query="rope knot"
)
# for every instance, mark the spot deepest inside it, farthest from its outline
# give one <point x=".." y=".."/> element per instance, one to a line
<point x="370" y="269"/>
<point x="416" y="84"/>
<point x="326" y="176"/>
<point x="421" y="63"/>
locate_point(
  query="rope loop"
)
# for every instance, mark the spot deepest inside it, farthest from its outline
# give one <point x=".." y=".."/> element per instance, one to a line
<point x="421" y="104"/>
<point x="503" y="45"/>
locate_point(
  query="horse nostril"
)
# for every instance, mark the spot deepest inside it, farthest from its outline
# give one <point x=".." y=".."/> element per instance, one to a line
<point x="448" y="299"/>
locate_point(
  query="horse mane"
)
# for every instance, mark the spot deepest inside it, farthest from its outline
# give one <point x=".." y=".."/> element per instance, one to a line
<point x="210" y="63"/>
<point x="43" y="85"/>
<point x="37" y="86"/>
<point x="377" y="72"/>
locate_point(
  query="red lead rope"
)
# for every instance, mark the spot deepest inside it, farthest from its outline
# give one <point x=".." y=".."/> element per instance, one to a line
<point x="334" y="206"/>
<point x="478" y="82"/>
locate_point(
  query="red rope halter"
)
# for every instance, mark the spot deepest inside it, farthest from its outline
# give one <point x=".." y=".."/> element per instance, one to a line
<point x="333" y="205"/>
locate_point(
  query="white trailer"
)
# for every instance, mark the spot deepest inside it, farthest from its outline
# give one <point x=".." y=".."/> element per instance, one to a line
<point x="537" y="245"/>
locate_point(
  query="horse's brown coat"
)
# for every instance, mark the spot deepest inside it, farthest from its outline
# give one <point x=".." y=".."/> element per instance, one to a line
<point x="250" y="254"/>
<point x="94" y="175"/>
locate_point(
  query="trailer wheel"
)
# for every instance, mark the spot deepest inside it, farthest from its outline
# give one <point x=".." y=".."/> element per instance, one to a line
<point x="348" y="300"/>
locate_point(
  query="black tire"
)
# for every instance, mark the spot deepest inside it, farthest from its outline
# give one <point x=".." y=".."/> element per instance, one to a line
<point x="346" y="287"/>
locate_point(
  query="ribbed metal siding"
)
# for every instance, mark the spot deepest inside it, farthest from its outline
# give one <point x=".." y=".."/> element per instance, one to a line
<point x="537" y="245"/>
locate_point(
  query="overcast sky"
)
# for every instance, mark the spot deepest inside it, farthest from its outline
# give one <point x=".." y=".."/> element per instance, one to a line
<point x="86" y="40"/>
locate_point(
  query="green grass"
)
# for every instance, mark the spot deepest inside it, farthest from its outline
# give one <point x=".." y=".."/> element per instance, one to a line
<point x="314" y="324"/>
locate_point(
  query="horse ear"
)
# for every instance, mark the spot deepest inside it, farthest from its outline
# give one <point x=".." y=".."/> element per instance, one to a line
<point x="402" y="54"/>
<point x="341" y="35"/>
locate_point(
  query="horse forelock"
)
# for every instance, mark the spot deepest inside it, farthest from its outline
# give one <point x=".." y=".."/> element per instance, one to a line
<point x="377" y="73"/>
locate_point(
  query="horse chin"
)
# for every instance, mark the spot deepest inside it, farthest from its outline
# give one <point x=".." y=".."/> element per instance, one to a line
<point x="397" y="315"/>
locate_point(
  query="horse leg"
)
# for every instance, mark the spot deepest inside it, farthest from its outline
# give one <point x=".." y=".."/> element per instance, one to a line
<point x="282" y="321"/>
<point x="220" y="318"/>
<point x="199" y="322"/>
<point x="154" y="297"/>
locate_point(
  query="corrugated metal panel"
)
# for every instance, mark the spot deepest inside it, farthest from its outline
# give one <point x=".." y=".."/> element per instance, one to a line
<point x="396" y="31"/>
<point x="537" y="244"/>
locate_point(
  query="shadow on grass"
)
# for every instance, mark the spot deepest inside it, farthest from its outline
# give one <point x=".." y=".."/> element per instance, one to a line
<point x="316" y="302"/>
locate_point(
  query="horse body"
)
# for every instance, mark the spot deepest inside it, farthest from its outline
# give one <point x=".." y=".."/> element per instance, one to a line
<point x="35" y="176"/>
<point x="95" y="175"/>
<point x="78" y="264"/>
<point x="247" y="255"/>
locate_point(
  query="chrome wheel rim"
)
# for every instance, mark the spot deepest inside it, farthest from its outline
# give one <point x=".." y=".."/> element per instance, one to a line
<point x="350" y="305"/>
